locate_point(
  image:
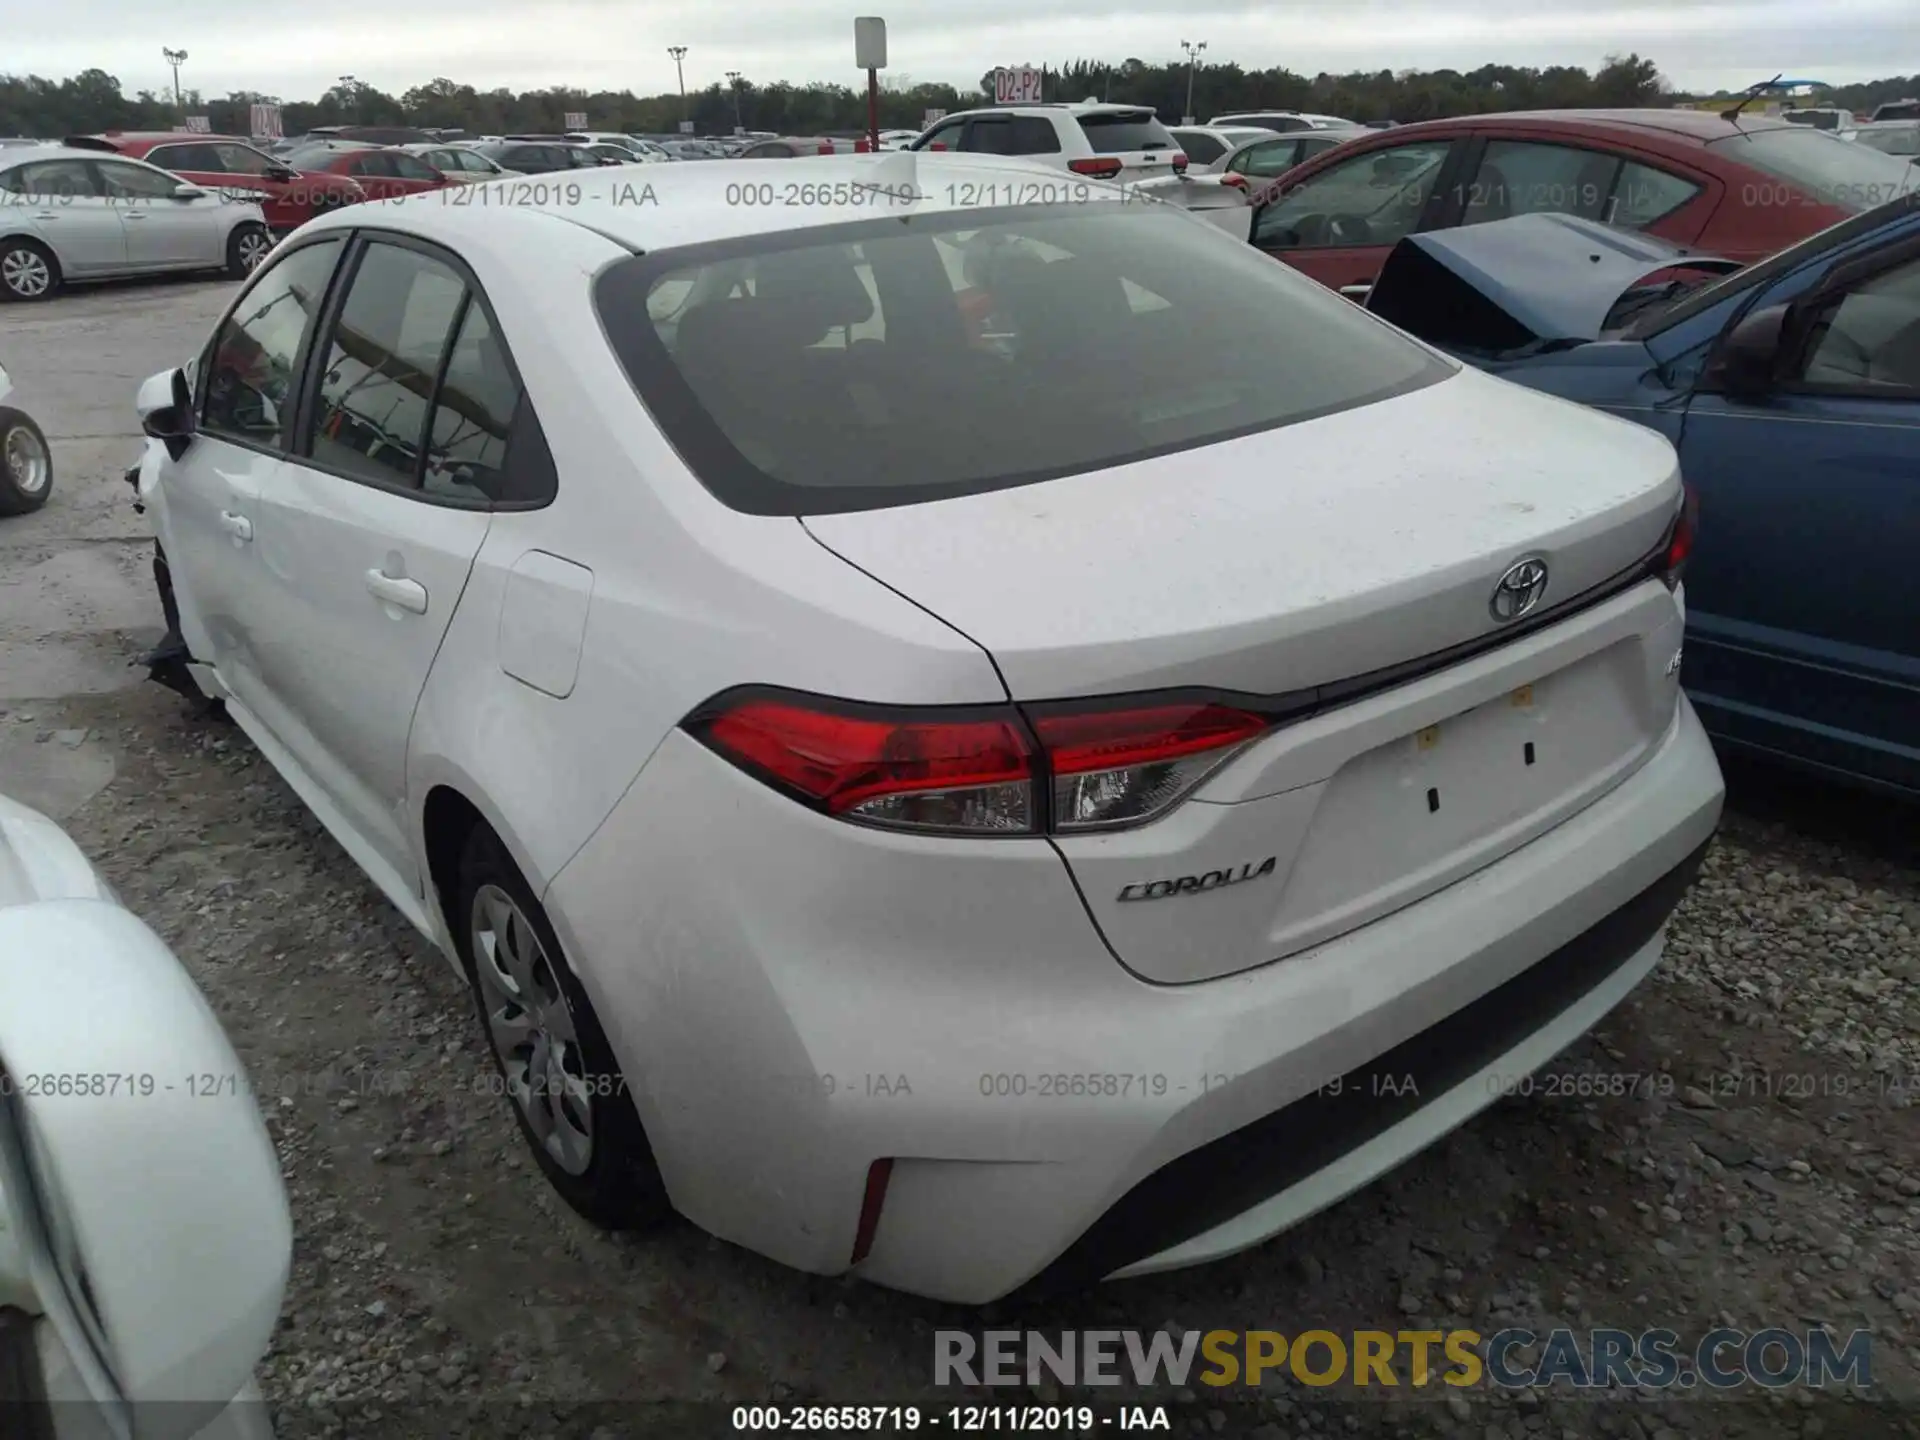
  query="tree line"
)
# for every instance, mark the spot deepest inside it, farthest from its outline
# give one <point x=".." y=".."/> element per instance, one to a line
<point x="94" y="100"/>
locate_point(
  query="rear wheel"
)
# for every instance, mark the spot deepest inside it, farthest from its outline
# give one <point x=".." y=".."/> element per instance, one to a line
<point x="28" y="270"/>
<point x="26" y="464"/>
<point x="552" y="1057"/>
<point x="246" y="248"/>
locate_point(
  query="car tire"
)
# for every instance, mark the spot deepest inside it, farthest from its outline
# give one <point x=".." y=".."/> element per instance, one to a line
<point x="529" y="998"/>
<point x="28" y="270"/>
<point x="247" y="246"/>
<point x="26" y="464"/>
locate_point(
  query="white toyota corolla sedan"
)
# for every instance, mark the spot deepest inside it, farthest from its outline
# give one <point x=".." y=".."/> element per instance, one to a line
<point x="961" y="728"/>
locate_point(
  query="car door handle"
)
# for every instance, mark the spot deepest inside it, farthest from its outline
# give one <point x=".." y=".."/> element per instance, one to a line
<point x="46" y="215"/>
<point x="1356" y="292"/>
<point x="409" y="595"/>
<point x="238" y="526"/>
<point x="131" y="214"/>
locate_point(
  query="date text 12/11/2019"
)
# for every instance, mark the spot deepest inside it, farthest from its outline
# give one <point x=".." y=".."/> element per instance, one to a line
<point x="1008" y="1419"/>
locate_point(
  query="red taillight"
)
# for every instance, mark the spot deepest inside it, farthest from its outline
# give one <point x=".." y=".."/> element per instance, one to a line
<point x="1100" y="167"/>
<point x="878" y="1174"/>
<point x="1679" y="547"/>
<point x="918" y="771"/>
<point x="1117" y="767"/>
<point x="1180" y="162"/>
<point x="826" y="149"/>
<point x="1066" y="767"/>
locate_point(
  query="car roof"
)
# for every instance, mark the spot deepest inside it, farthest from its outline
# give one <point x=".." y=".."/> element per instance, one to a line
<point x="687" y="204"/>
<point x="1698" y="126"/>
<point x="12" y="155"/>
<point x="139" y="141"/>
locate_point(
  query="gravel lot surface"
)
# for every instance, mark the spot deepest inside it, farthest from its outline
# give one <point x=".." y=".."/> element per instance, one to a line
<point x="1770" y="1177"/>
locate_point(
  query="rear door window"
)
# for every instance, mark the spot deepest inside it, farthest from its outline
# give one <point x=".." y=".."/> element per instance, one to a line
<point x="960" y="352"/>
<point x="1121" y="132"/>
<point x="1643" y="196"/>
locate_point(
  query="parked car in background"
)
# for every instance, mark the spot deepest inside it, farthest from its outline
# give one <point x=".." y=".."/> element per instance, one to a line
<point x="897" y="139"/>
<point x="1267" y="156"/>
<point x="1819" y="117"/>
<point x="635" y="150"/>
<point x="26" y="460"/>
<point x="1203" y="145"/>
<point x="124" y="1319"/>
<point x="461" y="164"/>
<point x="288" y="190"/>
<point x="384" y="172"/>
<point x="1282" y="121"/>
<point x="651" y="150"/>
<point x="71" y="214"/>
<point x="1740" y="188"/>
<point x="370" y="134"/>
<point x="538" y="154"/>
<point x="1122" y="143"/>
<point x="688" y="148"/>
<point x="789" y="147"/>
<point x="1892" y="137"/>
<point x="1896" y="110"/>
<point x="1792" y="390"/>
<point x="613" y="154"/>
<point x="1376" y="652"/>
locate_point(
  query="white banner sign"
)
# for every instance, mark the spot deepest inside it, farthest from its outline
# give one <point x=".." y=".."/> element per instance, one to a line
<point x="1016" y="85"/>
<point x="926" y="120"/>
<point x="686" y="127"/>
<point x="576" y="119"/>
<point x="263" y="122"/>
<point x="200" y="124"/>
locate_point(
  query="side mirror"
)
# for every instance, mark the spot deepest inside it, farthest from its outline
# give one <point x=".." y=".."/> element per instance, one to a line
<point x="1745" y="362"/>
<point x="165" y="407"/>
<point x="283" y="172"/>
<point x="147" y="1234"/>
<point x="184" y="191"/>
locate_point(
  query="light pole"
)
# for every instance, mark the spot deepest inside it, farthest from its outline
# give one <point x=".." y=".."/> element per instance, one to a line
<point x="679" y="54"/>
<point x="175" y="58"/>
<point x="1193" y="60"/>
<point x="733" y="79"/>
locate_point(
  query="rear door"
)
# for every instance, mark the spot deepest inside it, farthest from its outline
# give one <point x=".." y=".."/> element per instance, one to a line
<point x="1339" y="222"/>
<point x="374" y="173"/>
<point x="369" y="546"/>
<point x="164" y="232"/>
<point x="411" y="174"/>
<point x="1802" y="629"/>
<point x="1134" y="137"/>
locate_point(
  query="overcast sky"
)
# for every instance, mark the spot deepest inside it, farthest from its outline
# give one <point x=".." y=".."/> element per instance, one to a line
<point x="297" y="51"/>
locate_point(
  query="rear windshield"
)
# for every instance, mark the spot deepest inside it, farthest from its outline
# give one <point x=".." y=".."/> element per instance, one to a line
<point x="908" y="359"/>
<point x="1117" y="134"/>
<point x="1899" y="140"/>
<point x="1827" y="169"/>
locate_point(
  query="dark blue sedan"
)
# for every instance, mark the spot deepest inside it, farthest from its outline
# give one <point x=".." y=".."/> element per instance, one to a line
<point x="1792" y="391"/>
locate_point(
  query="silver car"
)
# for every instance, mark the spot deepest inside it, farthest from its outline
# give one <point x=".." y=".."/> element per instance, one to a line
<point x="459" y="162"/>
<point x="75" y="215"/>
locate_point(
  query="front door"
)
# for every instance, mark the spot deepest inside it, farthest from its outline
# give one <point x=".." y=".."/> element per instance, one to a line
<point x="1803" y="624"/>
<point x="209" y="508"/>
<point x="369" y="554"/>
<point x="1339" y="223"/>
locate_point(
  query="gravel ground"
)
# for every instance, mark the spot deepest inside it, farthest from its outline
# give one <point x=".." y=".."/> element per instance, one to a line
<point x="439" y="1288"/>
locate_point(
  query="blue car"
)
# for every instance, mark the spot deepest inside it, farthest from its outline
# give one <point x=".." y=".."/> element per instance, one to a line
<point x="1791" y="389"/>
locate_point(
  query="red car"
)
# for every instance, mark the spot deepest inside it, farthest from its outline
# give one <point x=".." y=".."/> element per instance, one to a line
<point x="383" y="172"/>
<point x="289" y="196"/>
<point x="1738" y="189"/>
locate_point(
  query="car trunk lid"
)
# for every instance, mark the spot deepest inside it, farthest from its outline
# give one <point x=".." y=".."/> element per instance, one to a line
<point x="1348" y="563"/>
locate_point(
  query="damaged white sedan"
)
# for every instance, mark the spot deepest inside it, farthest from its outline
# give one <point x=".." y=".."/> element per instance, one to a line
<point x="958" y="727"/>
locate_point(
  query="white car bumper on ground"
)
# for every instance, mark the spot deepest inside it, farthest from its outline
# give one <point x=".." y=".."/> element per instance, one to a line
<point x="817" y="1006"/>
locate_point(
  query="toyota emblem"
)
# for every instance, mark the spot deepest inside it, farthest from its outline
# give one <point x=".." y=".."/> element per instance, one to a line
<point x="1519" y="590"/>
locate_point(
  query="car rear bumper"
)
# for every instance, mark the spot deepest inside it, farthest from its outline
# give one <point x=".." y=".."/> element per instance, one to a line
<point x="793" y="998"/>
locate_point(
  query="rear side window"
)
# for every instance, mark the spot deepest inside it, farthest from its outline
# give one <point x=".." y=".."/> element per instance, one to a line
<point x="1643" y="195"/>
<point x="1119" y="132"/>
<point x="249" y="371"/>
<point x="908" y="359"/>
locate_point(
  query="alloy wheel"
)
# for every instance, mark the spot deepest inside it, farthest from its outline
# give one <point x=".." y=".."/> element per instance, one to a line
<point x="253" y="249"/>
<point x="27" y="460"/>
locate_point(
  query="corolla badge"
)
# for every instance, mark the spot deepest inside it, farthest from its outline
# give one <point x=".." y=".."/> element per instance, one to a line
<point x="1198" y="884"/>
<point x="1519" y="589"/>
